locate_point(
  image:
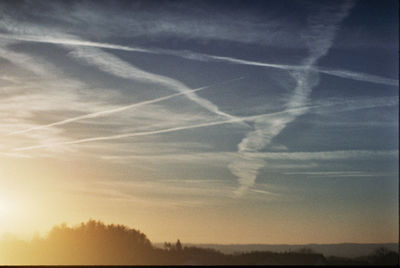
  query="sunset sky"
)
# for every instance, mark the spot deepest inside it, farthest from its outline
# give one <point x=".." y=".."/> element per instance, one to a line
<point x="208" y="121"/>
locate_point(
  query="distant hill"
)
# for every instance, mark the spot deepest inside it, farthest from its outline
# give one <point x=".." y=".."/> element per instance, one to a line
<point x="348" y="250"/>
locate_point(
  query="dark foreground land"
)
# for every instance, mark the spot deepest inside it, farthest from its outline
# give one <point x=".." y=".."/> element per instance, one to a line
<point x="345" y="250"/>
<point x="94" y="243"/>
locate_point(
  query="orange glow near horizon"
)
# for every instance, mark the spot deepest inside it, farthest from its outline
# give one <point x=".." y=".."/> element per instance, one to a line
<point x="280" y="127"/>
<point x="27" y="196"/>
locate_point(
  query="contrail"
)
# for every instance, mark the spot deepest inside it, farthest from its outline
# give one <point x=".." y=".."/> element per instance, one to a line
<point x="221" y="122"/>
<point x="120" y="68"/>
<point x="146" y="133"/>
<point x="205" y="57"/>
<point x="360" y="76"/>
<point x="338" y="73"/>
<point x="319" y="37"/>
<point x="72" y="42"/>
<point x="294" y="111"/>
<point x="120" y="109"/>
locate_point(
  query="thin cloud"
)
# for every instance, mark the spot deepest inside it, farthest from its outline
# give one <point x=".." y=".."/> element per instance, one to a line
<point x="245" y="165"/>
<point x="301" y="158"/>
<point x="74" y="41"/>
<point x="39" y="68"/>
<point x="70" y="41"/>
<point x="340" y="173"/>
<point x="147" y="133"/>
<point x="66" y="97"/>
<point x="319" y="36"/>
<point x="113" y="65"/>
<point x="295" y="156"/>
<point x="338" y="73"/>
<point x="328" y="155"/>
<point x="14" y="155"/>
<point x="265" y="192"/>
<point x="360" y="76"/>
<point x="119" y="109"/>
<point x="252" y="154"/>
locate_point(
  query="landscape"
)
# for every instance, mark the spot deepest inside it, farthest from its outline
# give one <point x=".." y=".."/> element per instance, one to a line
<point x="199" y="132"/>
<point x="96" y="243"/>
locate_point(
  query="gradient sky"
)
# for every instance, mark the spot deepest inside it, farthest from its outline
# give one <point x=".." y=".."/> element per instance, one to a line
<point x="289" y="136"/>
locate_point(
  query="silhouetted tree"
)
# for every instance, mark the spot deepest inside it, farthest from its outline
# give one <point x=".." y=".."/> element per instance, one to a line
<point x="384" y="256"/>
<point x="178" y="245"/>
<point x="305" y="250"/>
<point x="94" y="243"/>
<point x="167" y="245"/>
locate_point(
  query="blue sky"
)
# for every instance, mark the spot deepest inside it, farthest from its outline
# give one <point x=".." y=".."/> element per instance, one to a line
<point x="273" y="113"/>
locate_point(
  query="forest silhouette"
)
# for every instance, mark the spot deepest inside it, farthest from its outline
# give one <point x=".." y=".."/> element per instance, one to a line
<point x="95" y="243"/>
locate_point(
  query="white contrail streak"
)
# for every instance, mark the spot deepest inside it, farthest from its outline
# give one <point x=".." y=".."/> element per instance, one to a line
<point x="114" y="65"/>
<point x="360" y="76"/>
<point x="338" y="73"/>
<point x="72" y="42"/>
<point x="146" y="133"/>
<point x="120" y="109"/>
<point x="204" y="57"/>
<point x="221" y="122"/>
<point x="320" y="35"/>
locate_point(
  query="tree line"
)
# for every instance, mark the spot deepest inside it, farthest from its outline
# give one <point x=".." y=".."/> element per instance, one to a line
<point x="95" y="243"/>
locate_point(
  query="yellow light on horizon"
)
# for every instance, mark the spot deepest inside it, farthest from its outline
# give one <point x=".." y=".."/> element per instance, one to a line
<point x="5" y="206"/>
<point x="9" y="210"/>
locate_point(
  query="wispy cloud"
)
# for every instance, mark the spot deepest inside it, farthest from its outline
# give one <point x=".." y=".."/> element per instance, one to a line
<point x="36" y="67"/>
<point x="160" y="131"/>
<point x="340" y="173"/>
<point x="14" y="155"/>
<point x="328" y="155"/>
<point x="249" y="149"/>
<point x="165" y="193"/>
<point x="119" y="109"/>
<point x="319" y="36"/>
<point x="54" y="91"/>
<point x="42" y="92"/>
<point x="360" y="76"/>
<point x="113" y="65"/>
<point x="184" y="20"/>
<point x="247" y="161"/>
<point x="35" y="78"/>
<point x="69" y="40"/>
<point x="336" y="105"/>
<point x="296" y="156"/>
<point x="338" y="73"/>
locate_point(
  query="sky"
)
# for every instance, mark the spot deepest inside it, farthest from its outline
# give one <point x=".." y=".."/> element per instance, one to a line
<point x="209" y="121"/>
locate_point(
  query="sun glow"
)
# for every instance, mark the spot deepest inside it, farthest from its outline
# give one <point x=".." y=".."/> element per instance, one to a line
<point x="5" y="213"/>
<point x="14" y="214"/>
<point x="6" y="206"/>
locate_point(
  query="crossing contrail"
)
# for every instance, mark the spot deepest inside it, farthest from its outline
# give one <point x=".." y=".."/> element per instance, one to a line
<point x="153" y="132"/>
<point x="74" y="41"/>
<point x="215" y="123"/>
<point x="120" y="109"/>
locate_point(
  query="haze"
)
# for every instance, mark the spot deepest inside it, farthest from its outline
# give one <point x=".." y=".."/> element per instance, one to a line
<point x="244" y="122"/>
